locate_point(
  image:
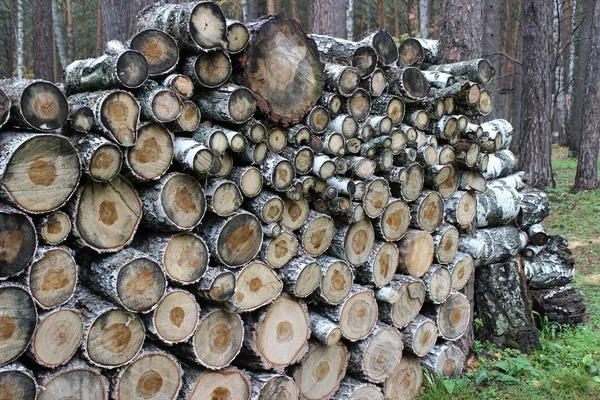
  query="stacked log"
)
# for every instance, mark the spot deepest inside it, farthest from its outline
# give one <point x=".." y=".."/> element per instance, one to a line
<point x="233" y="211"/>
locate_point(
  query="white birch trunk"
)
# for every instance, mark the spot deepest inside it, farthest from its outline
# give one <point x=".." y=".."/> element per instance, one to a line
<point x="60" y="41"/>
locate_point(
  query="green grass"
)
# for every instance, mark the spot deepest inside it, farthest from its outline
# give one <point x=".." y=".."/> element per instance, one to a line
<point x="568" y="365"/>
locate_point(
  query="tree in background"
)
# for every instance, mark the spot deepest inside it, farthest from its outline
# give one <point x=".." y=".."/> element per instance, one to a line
<point x="329" y="17"/>
<point x="587" y="163"/>
<point x="461" y="28"/>
<point x="535" y="140"/>
<point x="43" y="45"/>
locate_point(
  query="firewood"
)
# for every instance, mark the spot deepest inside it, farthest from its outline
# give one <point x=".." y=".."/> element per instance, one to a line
<point x="414" y="51"/>
<point x="426" y="155"/>
<point x="452" y="317"/>
<point x="116" y="114"/>
<point x="295" y="214"/>
<point x="237" y="36"/>
<point x="267" y="206"/>
<point x="223" y="197"/>
<point x="341" y="79"/>
<point x="76" y="380"/>
<point x="359" y="104"/>
<point x="301" y="276"/>
<point x="52" y="228"/>
<point x="384" y="45"/>
<point x="351" y="389"/>
<point x="389" y="105"/>
<point x="345" y="52"/>
<point x="477" y="70"/>
<point x="19" y="241"/>
<point x="345" y="125"/>
<point x="420" y="336"/>
<point x="228" y="103"/>
<point x="333" y="102"/>
<point x="416" y="252"/>
<point x="19" y="321"/>
<point x="439" y="79"/>
<point x="497" y="206"/>
<point x="317" y="233"/>
<point x="537" y="235"/>
<point x="278" y="173"/>
<point x="324" y="330"/>
<point x="380" y="267"/>
<point x="195" y="26"/>
<point x="400" y="301"/>
<point x="276" y="139"/>
<point x="157" y="103"/>
<point x="199" y="383"/>
<point x="151" y="155"/>
<point x="471" y="180"/>
<point x="175" y="318"/>
<point x="427" y="211"/>
<point x="399" y="141"/>
<point x="392" y="224"/>
<point x="535" y="207"/>
<point x="353" y="243"/>
<point x="298" y="135"/>
<point x="217" y="284"/>
<point x="445" y="242"/>
<point x="336" y="280"/>
<point x="438" y="284"/>
<point x="80" y="119"/>
<point x="405" y="382"/>
<point x="376" y="84"/>
<point x="500" y="164"/>
<point x="101" y="159"/>
<point x="491" y="245"/>
<point x="17" y="380"/>
<point x="256" y="285"/>
<point x="445" y="359"/>
<point x="418" y="118"/>
<point x="319" y="374"/>
<point x="461" y="208"/>
<point x="408" y="83"/>
<point x="180" y="84"/>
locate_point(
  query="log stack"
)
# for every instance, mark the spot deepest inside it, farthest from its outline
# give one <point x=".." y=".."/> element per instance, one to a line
<point x="232" y="211"/>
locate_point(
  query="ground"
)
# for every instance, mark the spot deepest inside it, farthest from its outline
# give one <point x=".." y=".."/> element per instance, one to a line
<point x="568" y="366"/>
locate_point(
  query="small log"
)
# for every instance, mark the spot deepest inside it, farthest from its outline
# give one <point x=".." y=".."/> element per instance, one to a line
<point x="406" y="381"/>
<point x="188" y="120"/>
<point x="324" y="330"/>
<point x="449" y="186"/>
<point x="461" y="208"/>
<point x="414" y="51"/>
<point x="237" y="36"/>
<point x="17" y="382"/>
<point x="39" y="172"/>
<point x="198" y="383"/>
<point x="223" y="197"/>
<point x="152" y="373"/>
<point x="401" y="301"/>
<point x="19" y="321"/>
<point x="500" y="131"/>
<point x="151" y="155"/>
<point x="418" y="118"/>
<point x="491" y="245"/>
<point x="248" y="180"/>
<point x="416" y="252"/>
<point x="341" y="79"/>
<point x="116" y="114"/>
<point x="175" y="318"/>
<point x="275" y="40"/>
<point x="407" y="82"/>
<point x="477" y="70"/>
<point x="333" y="102"/>
<point x="76" y="380"/>
<point x="277" y="335"/>
<point x="346" y="52"/>
<point x="359" y="104"/>
<point x="333" y="143"/>
<point x="234" y="240"/>
<point x="158" y="103"/>
<point x="412" y="187"/>
<point x="500" y="164"/>
<point x="483" y="160"/>
<point x="256" y="285"/>
<point x="351" y="389"/>
<point x="399" y="141"/>
<point x="80" y="119"/>
<point x="461" y="269"/>
<point x="389" y="105"/>
<point x="445" y="155"/>
<point x="471" y="180"/>
<point x="119" y="68"/>
<point x="129" y="278"/>
<point x="319" y="374"/>
<point x="192" y="155"/>
<point x="380" y="267"/>
<point x="19" y="241"/>
<point x="317" y="119"/>
<point x="298" y="135"/>
<point x="353" y="243"/>
<point x="537" y="235"/>
<point x="276" y="140"/>
<point x="345" y="125"/>
<point x="195" y="26"/>
<point x="175" y="203"/>
<point x="445" y="359"/>
<point x="504" y="308"/>
<point x="301" y="276"/>
<point x="438" y="79"/>
<point x="535" y="207"/>
<point x="445" y="242"/>
<point x="50" y="350"/>
<point x="376" y="197"/>
<point x="392" y="224"/>
<point x="356" y="315"/>
<point x="180" y="84"/>
<point x="267" y="386"/>
<point x="217" y="284"/>
<point x="397" y="175"/>
<point x="53" y="228"/>
<point x="229" y="103"/>
<point x="466" y="153"/>
<point x="427" y="156"/>
<point x="452" y="317"/>
<point x="497" y="206"/>
<point x="216" y="342"/>
<point x="361" y="167"/>
<point x="101" y="159"/>
<point x="376" y="84"/>
<point x="438" y="283"/>
<point x="419" y="336"/>
<point x="105" y="215"/>
<point x="317" y="233"/>
<point x="336" y="280"/>
<point x="267" y="206"/>
<point x="159" y="49"/>
<point x="427" y="211"/>
<point x="52" y="277"/>
<point x="278" y="173"/>
<point x="377" y="356"/>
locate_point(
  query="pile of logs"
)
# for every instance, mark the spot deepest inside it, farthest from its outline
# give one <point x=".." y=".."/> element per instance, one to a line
<point x="218" y="210"/>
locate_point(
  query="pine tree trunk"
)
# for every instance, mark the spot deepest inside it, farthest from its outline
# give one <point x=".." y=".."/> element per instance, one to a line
<point x="461" y="28"/>
<point x="43" y="45"/>
<point x="329" y="17"/>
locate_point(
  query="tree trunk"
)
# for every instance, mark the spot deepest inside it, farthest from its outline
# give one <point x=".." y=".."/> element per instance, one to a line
<point x="117" y="20"/>
<point x="461" y="30"/>
<point x="43" y="45"/>
<point x="329" y="17"/>
<point x="20" y="41"/>
<point x="535" y="139"/>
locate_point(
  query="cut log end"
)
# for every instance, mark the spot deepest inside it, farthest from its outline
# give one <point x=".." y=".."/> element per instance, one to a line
<point x="119" y="114"/>
<point x="320" y="373"/>
<point x="76" y="381"/>
<point x="406" y="380"/>
<point x="17" y="383"/>
<point x="19" y="242"/>
<point x="220" y="385"/>
<point x="81" y="119"/>
<point x="416" y="252"/>
<point x="159" y="49"/>
<point x="53" y="277"/>
<point x="43" y="106"/>
<point x="51" y="350"/>
<point x="106" y="163"/>
<point x="55" y="228"/>
<point x="239" y="239"/>
<point x="132" y="69"/>
<point x="218" y="339"/>
<point x="19" y="319"/>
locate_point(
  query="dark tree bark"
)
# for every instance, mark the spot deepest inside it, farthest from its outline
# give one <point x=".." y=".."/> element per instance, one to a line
<point x="535" y="141"/>
<point x="587" y="162"/>
<point x="329" y="17"/>
<point x="118" y="18"/>
<point x="43" y="45"/>
<point x="580" y="70"/>
<point x="492" y="15"/>
<point x="381" y="13"/>
<point x="461" y="28"/>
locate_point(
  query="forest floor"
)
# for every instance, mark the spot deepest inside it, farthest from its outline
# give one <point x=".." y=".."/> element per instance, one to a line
<point x="568" y="365"/>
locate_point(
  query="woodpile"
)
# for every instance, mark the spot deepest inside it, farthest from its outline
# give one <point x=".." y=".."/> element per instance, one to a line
<point x="233" y="211"/>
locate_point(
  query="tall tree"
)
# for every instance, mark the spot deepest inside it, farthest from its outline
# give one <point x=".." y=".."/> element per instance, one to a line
<point x="253" y="10"/>
<point x="60" y="42"/>
<point x="461" y="29"/>
<point x="329" y="17"/>
<point x="270" y="6"/>
<point x="535" y="141"/>
<point x="70" y="41"/>
<point x="20" y="40"/>
<point x="118" y="19"/>
<point x="492" y="15"/>
<point x="349" y="19"/>
<point x="43" y="45"/>
<point x="397" y="18"/>
<point x="587" y="162"/>
<point x="381" y="13"/>
<point x="424" y="17"/>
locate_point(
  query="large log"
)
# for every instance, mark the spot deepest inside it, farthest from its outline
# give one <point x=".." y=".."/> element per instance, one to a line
<point x="491" y="245"/>
<point x="393" y="223"/>
<point x="39" y="172"/>
<point x="427" y="211"/>
<point x="159" y="49"/>
<point x="416" y="252"/>
<point x="266" y="386"/>
<point x="408" y="83"/>
<point x="405" y="382"/>
<point x="445" y="359"/>
<point x="452" y="317"/>
<point x="497" y="206"/>
<point x="477" y="70"/>
<point x="19" y="241"/>
<point x="301" y="276"/>
<point x="319" y="374"/>
<point x="351" y="389"/>
<point x="500" y="164"/>
<point x="336" y="280"/>
<point x="19" y="321"/>
<point x="380" y="267"/>
<point x="461" y="208"/>
<point x="353" y="243"/>
<point x="151" y="155"/>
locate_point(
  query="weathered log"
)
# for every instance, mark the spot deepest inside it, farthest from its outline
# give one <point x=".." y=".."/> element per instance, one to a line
<point x="445" y="359"/>
<point x="333" y="102"/>
<point x="376" y="84"/>
<point x="414" y="51"/>
<point x="317" y="233"/>
<point x="411" y="188"/>
<point x="407" y="82"/>
<point x="234" y="240"/>
<point x="151" y="155"/>
<point x="500" y="164"/>
<point x="175" y="203"/>
<point x="358" y="104"/>
<point x="502" y="302"/>
<point x="535" y="207"/>
<point x="256" y="285"/>
<point x="324" y="330"/>
<point x="380" y="267"/>
<point x="295" y="213"/>
<point x="438" y="79"/>
<point x="336" y="280"/>
<point x="17" y="382"/>
<point x="39" y="172"/>
<point x="401" y="301"/>
<point x="491" y="245"/>
<point x="157" y="103"/>
<point x="391" y="106"/>
<point x="278" y="173"/>
<point x="392" y="224"/>
<point x="426" y="155"/>
<point x="377" y="356"/>
<point x="438" y="283"/>
<point x="229" y="103"/>
<point x="537" y="235"/>
<point x="237" y="36"/>
<point x="461" y="269"/>
<point x="461" y="208"/>
<point x="52" y="228"/>
<point x="5" y="106"/>
<point x="417" y="118"/>
<point x="52" y="277"/>
<point x="345" y="52"/>
<point x="223" y="197"/>
<point x="419" y="336"/>
<point x="356" y="315"/>
<point x="19" y="241"/>
<point x="548" y="270"/>
<point x="129" y="278"/>
<point x="188" y="120"/>
<point x="477" y="70"/>
<point x="351" y="389"/>
<point x="319" y="374"/>
<point x="301" y="276"/>
<point x="384" y="45"/>
<point x="471" y="180"/>
<point x="452" y="317"/>
<point x="159" y="49"/>
<point x="267" y="206"/>
<point x="445" y="241"/>
<point x="105" y="215"/>
<point x="276" y="336"/>
<point x="427" y="211"/>
<point x="101" y="159"/>
<point x="345" y="125"/>
<point x="266" y="386"/>
<point x="180" y="84"/>
<point x="197" y="384"/>
<point x="19" y="321"/>
<point x="119" y="68"/>
<point x="353" y="243"/>
<point x="116" y="114"/>
<point x="562" y="305"/>
<point x="195" y="26"/>
<point x="416" y="252"/>
<point x="192" y="155"/>
<point x="217" y="284"/>
<point x="76" y="380"/>
<point x="405" y="382"/>
<point x="80" y="119"/>
<point x="341" y="79"/>
<point x="497" y="206"/>
<point x="175" y="318"/>
<point x="500" y="131"/>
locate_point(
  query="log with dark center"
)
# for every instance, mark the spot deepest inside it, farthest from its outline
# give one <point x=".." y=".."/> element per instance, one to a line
<point x="207" y="69"/>
<point x="340" y="51"/>
<point x="159" y="49"/>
